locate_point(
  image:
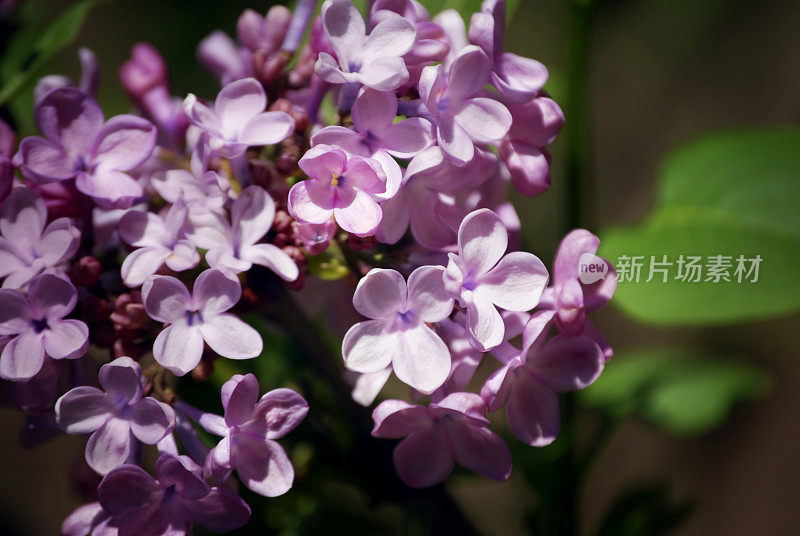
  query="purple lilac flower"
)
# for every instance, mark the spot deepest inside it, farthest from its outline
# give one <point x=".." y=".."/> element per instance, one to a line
<point x="452" y="430"/>
<point x="29" y="245"/>
<point x="89" y="77"/>
<point x="89" y="519"/>
<point x="373" y="60"/>
<point x="396" y="333"/>
<point x="160" y="240"/>
<point x="482" y="279"/>
<point x="252" y="214"/>
<point x="116" y="417"/>
<point x="249" y="430"/>
<point x="238" y="120"/>
<point x="197" y="318"/>
<point x="78" y="144"/>
<point x="315" y="236"/>
<point x="462" y="119"/>
<point x="203" y="194"/>
<point x="517" y="79"/>
<point x="38" y="326"/>
<point x="8" y="140"/>
<point x="455" y="32"/>
<point x="536" y="125"/>
<point x="342" y="186"/>
<point x="141" y="505"/>
<point x="529" y="382"/>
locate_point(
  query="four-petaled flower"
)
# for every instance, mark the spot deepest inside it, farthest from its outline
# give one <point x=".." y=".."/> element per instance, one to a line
<point x="116" y="417"/>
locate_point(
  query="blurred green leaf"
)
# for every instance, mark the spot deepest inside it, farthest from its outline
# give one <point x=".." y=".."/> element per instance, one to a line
<point x="681" y="391"/>
<point x="644" y="511"/>
<point x="729" y="194"/>
<point x="21" y="71"/>
<point x="328" y="265"/>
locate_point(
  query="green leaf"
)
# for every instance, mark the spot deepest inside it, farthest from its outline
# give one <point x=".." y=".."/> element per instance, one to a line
<point x="58" y="36"/>
<point x="329" y="265"/>
<point x="683" y="392"/>
<point x="734" y="194"/>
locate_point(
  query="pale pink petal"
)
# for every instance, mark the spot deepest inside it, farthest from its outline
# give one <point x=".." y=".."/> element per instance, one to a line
<point x="201" y="115"/>
<point x="345" y="30"/>
<point x="109" y="185"/>
<point x="215" y="292"/>
<point x="380" y="294"/>
<point x="306" y="205"/>
<point x="528" y="165"/>
<point x="122" y="378"/>
<point x="252" y="214"/>
<point x="368" y="348"/>
<point x="468" y="73"/>
<point x="422" y="359"/>
<point x="424" y="458"/>
<point x="279" y="412"/>
<point x="516" y="283"/>
<point x="151" y="420"/>
<point x="59" y="242"/>
<point x="327" y="69"/>
<point x="71" y="117"/>
<point x="485" y="324"/>
<point x="572" y="246"/>
<point x="110" y="446"/>
<point x="396" y="418"/>
<point x="384" y="74"/>
<point x="178" y="348"/>
<point x="267" y="128"/>
<point x="45" y="161"/>
<point x="139" y="229"/>
<point x="239" y="397"/>
<point x="484" y="120"/>
<point x="22" y="357"/>
<point x="83" y="410"/>
<point x="142" y="263"/>
<point x="407" y="138"/>
<point x="262" y="465"/>
<point x="498" y="386"/>
<point x="518" y="79"/>
<point x="373" y="111"/>
<point x="66" y="339"/>
<point x="394" y="223"/>
<point x="391" y="37"/>
<point x="51" y="296"/>
<point x="456" y="144"/>
<point x="362" y="217"/>
<point x="237" y="103"/>
<point x="165" y="298"/>
<point x="426" y="294"/>
<point x="466" y="407"/>
<point x="218" y="460"/>
<point x="368" y="386"/>
<point x="273" y="258"/>
<point x="482" y="240"/>
<point x="183" y="256"/>
<point x="343" y="138"/>
<point x="230" y="337"/>
<point x="24" y="216"/>
<point x="124" y="142"/>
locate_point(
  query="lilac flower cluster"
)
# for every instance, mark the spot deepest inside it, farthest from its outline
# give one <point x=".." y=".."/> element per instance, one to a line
<point x="130" y="247"/>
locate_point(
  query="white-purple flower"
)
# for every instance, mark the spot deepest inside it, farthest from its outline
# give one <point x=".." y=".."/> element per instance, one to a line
<point x="482" y="279"/>
<point x="529" y="382"/>
<point x="141" y="505"/>
<point x="343" y="186"/>
<point x="159" y="240"/>
<point x="452" y="430"/>
<point x="249" y="431"/>
<point x="79" y="144"/>
<point x="38" y="328"/>
<point x="373" y="60"/>
<point x="237" y="249"/>
<point x="116" y="417"/>
<point x="28" y="244"/>
<point x="198" y="318"/>
<point x="238" y="120"/>
<point x="396" y="333"/>
<point x="463" y="119"/>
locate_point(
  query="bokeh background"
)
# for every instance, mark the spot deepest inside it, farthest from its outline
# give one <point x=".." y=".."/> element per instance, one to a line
<point x="660" y="73"/>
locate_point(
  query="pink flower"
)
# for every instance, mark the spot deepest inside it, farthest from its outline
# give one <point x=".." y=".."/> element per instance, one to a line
<point x="397" y="333"/>
<point x="38" y="326"/>
<point x="461" y="118"/>
<point x="482" y="279"/>
<point x="342" y="186"/>
<point x="315" y="236"/>
<point x="197" y="318"/>
<point x="453" y="430"/>
<point x="238" y="119"/>
<point x="29" y="245"/>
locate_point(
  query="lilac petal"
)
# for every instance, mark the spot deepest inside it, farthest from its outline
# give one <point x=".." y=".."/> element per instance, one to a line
<point x="122" y="378"/>
<point x="395" y="220"/>
<point x="342" y="137"/>
<point x="126" y="489"/>
<point x="518" y="79"/>
<point x="109" y="446"/>
<point x="427" y="225"/>
<point x="183" y="257"/>
<point x="533" y="412"/>
<point x="201" y="115"/>
<point x="368" y="386"/>
<point x="183" y="473"/>
<point x="83" y="410"/>
<point x="484" y="120"/>
<point x="230" y="337"/>
<point x="179" y="348"/>
<point x="467" y="407"/>
<point x="367" y="347"/>
<point x="237" y="103"/>
<point x="427" y="296"/>
<point x="303" y="203"/>
<point x="83" y="520"/>
<point x="151" y="420"/>
<point x="220" y="55"/>
<point x="480" y="450"/>
<point x="424" y="458"/>
<point x="536" y="330"/>
<point x="267" y="128"/>
<point x="571" y="312"/>
<point x="263" y="466"/>
<point x="215" y="292"/>
<point x="528" y="165"/>
<point x="51" y="296"/>
<point x="59" y="242"/>
<point x="345" y="29"/>
<point x="572" y="246"/>
<point x="22" y="357"/>
<point x="89" y="70"/>
<point x="568" y="363"/>
<point x="239" y="397"/>
<point x="591" y="331"/>
<point x="328" y="69"/>
<point x="66" y="339"/>
<point x="15" y="313"/>
<point x="218" y="461"/>
<point x="432" y="82"/>
<point x="454" y="141"/>
<point x="273" y="258"/>
<point x="536" y="123"/>
<point x="152" y="520"/>
<point x="165" y="298"/>
<point x="485" y="324"/>
<point x="321" y="161"/>
<point x="384" y="74"/>
<point x="109" y="185"/>
<point x="482" y="240"/>
<point x="124" y="142"/>
<point x="362" y="217"/>
<point x="71" y="117"/>
<point x="141" y="264"/>
<point x="373" y="111"/>
<point x="391" y="37"/>
<point x="23" y="216"/>
<point x="422" y="359"/>
<point x="281" y="411"/>
<point x="407" y="138"/>
<point x="380" y="294"/>
<point x="598" y="294"/>
<point x="468" y="73"/>
<point x="516" y="283"/>
<point x="252" y="214"/>
<point x="396" y="418"/>
<point x="481" y="32"/>
<point x="45" y="161"/>
<point x="140" y="229"/>
<point x="498" y="386"/>
<point x="220" y="511"/>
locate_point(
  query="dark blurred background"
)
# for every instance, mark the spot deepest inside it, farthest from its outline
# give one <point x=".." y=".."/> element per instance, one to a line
<point x="661" y="72"/>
